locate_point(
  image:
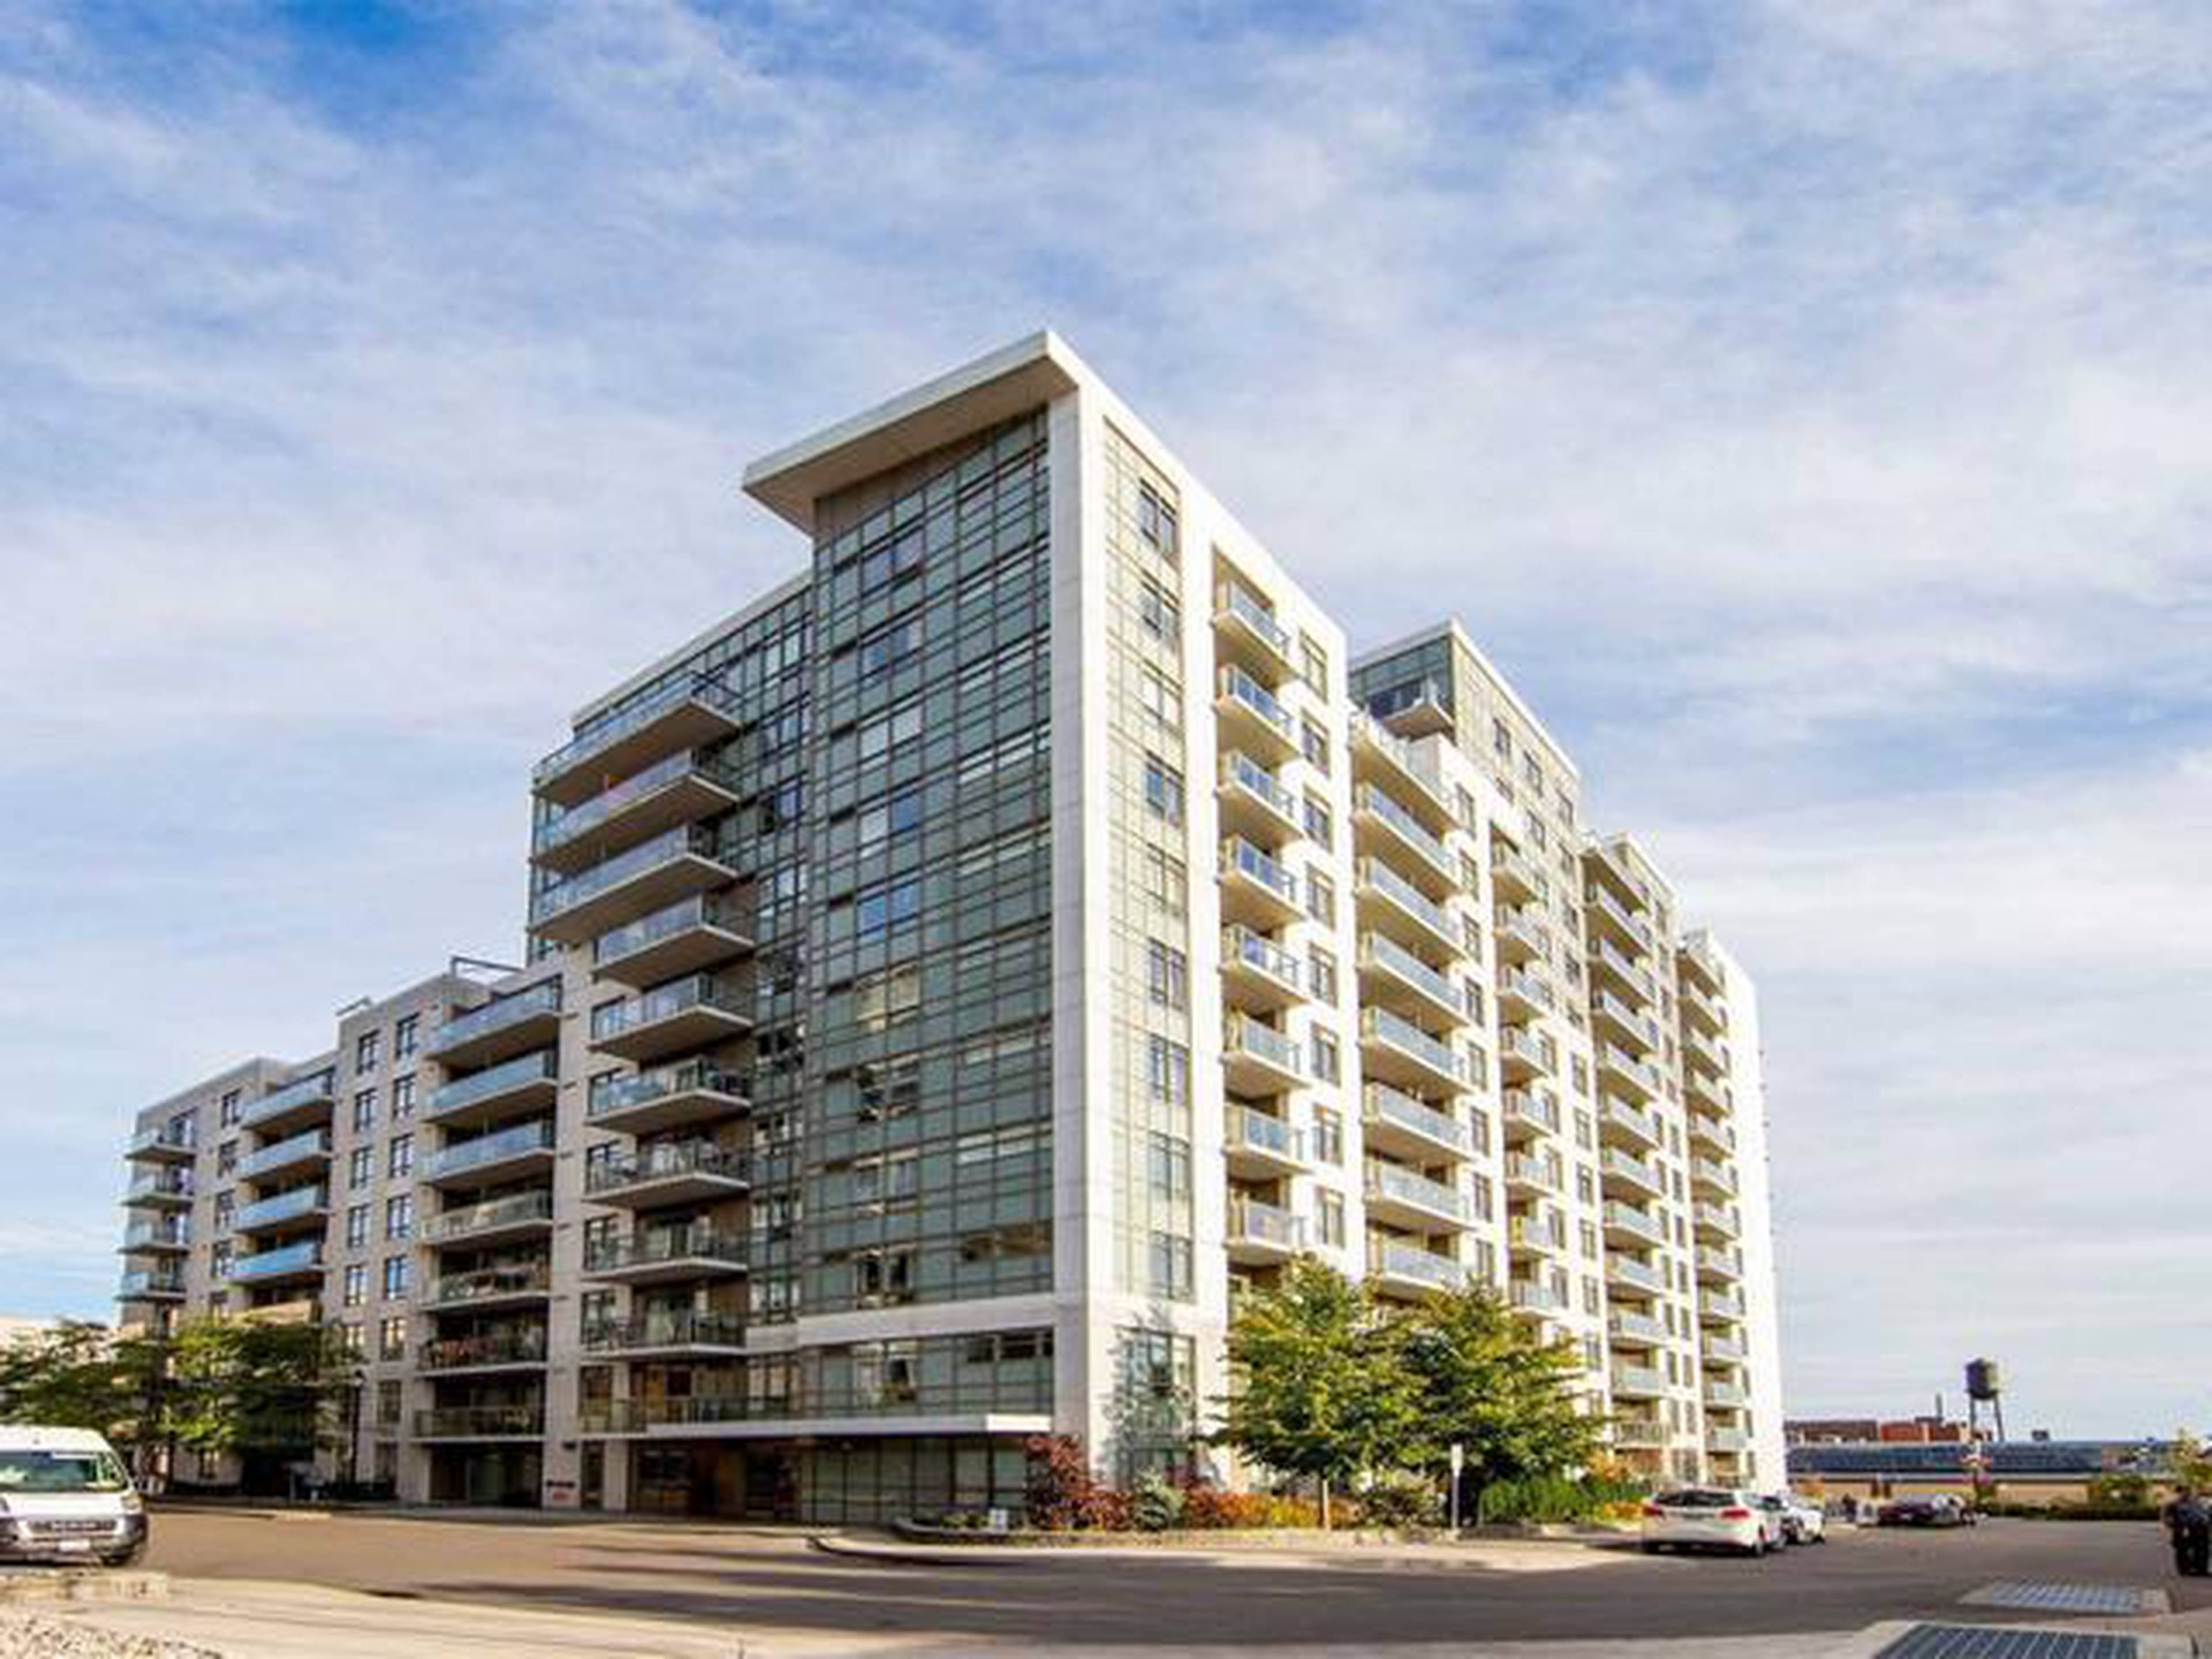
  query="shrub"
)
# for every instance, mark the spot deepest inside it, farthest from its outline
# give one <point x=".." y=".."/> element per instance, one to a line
<point x="1155" y="1506"/>
<point x="1400" y="1499"/>
<point x="1060" y="1495"/>
<point x="1556" y="1499"/>
<point x="2117" y="1491"/>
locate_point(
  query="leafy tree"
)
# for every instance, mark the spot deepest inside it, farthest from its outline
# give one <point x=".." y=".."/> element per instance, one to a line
<point x="82" y="1376"/>
<point x="1316" y="1386"/>
<point x="2190" y="1462"/>
<point x="1484" y="1381"/>
<point x="238" y="1385"/>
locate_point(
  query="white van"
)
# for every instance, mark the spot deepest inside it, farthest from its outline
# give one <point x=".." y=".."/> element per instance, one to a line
<point x="65" y="1496"/>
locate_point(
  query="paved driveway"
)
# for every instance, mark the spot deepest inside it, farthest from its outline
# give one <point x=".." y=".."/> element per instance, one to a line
<point x="761" y="1585"/>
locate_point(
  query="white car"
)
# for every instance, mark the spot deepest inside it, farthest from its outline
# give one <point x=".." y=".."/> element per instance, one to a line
<point x="1711" y="1517"/>
<point x="65" y="1496"/>
<point x="1804" y="1521"/>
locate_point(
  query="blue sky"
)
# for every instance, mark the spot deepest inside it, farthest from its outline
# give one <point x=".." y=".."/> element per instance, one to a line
<point x="1811" y="406"/>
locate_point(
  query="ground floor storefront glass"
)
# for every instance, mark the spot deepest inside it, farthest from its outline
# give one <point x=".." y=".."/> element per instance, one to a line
<point x="876" y="1478"/>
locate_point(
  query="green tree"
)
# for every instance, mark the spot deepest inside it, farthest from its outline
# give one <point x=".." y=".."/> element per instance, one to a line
<point x="1315" y="1386"/>
<point x="1484" y="1381"/>
<point x="81" y="1375"/>
<point x="240" y="1385"/>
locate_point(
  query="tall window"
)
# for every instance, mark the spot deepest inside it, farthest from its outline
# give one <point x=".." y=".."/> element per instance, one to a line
<point x="395" y="1276"/>
<point x="366" y="1047"/>
<point x="1166" y="975"/>
<point x="1162" y="789"/>
<point x="407" y="1036"/>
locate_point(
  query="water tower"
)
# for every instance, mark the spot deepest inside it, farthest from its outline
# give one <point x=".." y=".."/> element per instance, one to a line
<point x="1985" y="1386"/>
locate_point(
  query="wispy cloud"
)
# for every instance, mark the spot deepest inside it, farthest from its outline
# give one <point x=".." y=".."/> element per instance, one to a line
<point x="1811" y="405"/>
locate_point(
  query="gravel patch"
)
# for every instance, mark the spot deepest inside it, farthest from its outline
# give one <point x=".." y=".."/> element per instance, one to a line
<point x="32" y="1637"/>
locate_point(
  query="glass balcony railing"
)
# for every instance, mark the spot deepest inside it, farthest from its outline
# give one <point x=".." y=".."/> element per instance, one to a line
<point x="304" y="1257"/>
<point x="1635" y="1220"/>
<point x="1366" y="729"/>
<point x="666" y="1246"/>
<point x="1534" y="1107"/>
<point x="315" y="1143"/>
<point x="666" y="1160"/>
<point x="585" y="817"/>
<point x="1520" y="867"/>
<point x="543" y="997"/>
<point x="493" y="1213"/>
<point x="1386" y="953"/>
<point x="1261" y="954"/>
<point x="465" y="1155"/>
<point x="1721" y="1305"/>
<point x="1602" y="898"/>
<point x="697" y="991"/>
<point x="1716" y="1176"/>
<point x="488" y="1284"/>
<point x="1546" y="1172"/>
<point x="1382" y="1026"/>
<point x="1627" y="1270"/>
<point x="1706" y="1126"/>
<point x="1518" y="1042"/>
<point x="1251" y="1221"/>
<point x="1241" y="689"/>
<point x="1256" y="1131"/>
<point x="1256" y="781"/>
<point x="1610" y="955"/>
<point x="605" y="733"/>
<point x="1408" y="828"/>
<point x="1727" y="1263"/>
<point x="524" y="1345"/>
<point x="685" y="840"/>
<point x="685" y="916"/>
<point x="1634" y="1119"/>
<point x="1389" y="1258"/>
<point x="542" y="1067"/>
<point x="303" y="1091"/>
<point x="1388" y="1180"/>
<point x="1727" y="1440"/>
<point x="169" y="1183"/>
<point x="1539" y="1232"/>
<point x="1637" y="1327"/>
<point x="1529" y="985"/>
<point x="1621" y="1060"/>
<point x="480" y="1423"/>
<point x="1724" y="1350"/>
<point x="284" y="1206"/>
<point x="1525" y="923"/>
<point x="148" y="1282"/>
<point x="1629" y="1167"/>
<point x="161" y="1233"/>
<point x="1416" y="1117"/>
<point x="612" y="1094"/>
<point x="1242" y="1036"/>
<point x="672" y="1328"/>
<point x="1235" y="600"/>
<point x="1638" y="1380"/>
<point x="1380" y="878"/>
<point x="1716" y="1217"/>
<point x="164" y="1138"/>
<point x="1240" y="857"/>
<point x="1534" y="1295"/>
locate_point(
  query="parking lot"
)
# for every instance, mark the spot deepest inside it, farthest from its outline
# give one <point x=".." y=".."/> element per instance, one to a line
<point x="772" y="1590"/>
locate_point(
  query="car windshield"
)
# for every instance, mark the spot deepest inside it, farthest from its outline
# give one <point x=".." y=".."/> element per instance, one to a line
<point x="1772" y="1503"/>
<point x="1695" y="1499"/>
<point x="61" y="1470"/>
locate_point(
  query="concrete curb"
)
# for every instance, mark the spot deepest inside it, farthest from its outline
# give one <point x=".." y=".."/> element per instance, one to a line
<point x="33" y="1587"/>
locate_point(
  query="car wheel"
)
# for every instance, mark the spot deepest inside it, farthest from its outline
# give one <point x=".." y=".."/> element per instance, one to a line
<point x="1652" y="1549"/>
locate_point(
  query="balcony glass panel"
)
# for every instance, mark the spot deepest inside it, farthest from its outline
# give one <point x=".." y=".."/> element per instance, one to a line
<point x="688" y="840"/>
<point x="300" y="1092"/>
<point x="607" y="733"/>
<point x="586" y="815"/>
<point x="1241" y="856"/>
<point x="1379" y="875"/>
<point x="1409" y="1187"/>
<point x="543" y="997"/>
<point x="1236" y="600"/>
<point x="313" y="1143"/>
<point x="542" y="1067"/>
<point x="1385" y="1026"/>
<point x="1390" y="1257"/>
<point x="1388" y="954"/>
<point x="618" y="1094"/>
<point x="491" y="1149"/>
<point x="702" y="910"/>
<point x="507" y="1212"/>
<point x="285" y="1206"/>
<point x="1417" y="1117"/>
<point x="1241" y="687"/>
<point x="698" y="991"/>
<point x="268" y="1264"/>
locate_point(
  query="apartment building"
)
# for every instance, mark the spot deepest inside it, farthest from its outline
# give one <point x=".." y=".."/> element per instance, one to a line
<point x="957" y="975"/>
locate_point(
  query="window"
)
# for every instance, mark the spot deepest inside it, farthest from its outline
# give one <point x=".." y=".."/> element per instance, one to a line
<point x="1155" y="521"/>
<point x="1157" y="610"/>
<point x="220" y="1259"/>
<point x="1321" y="898"/>
<point x="226" y="1158"/>
<point x="782" y="806"/>
<point x="1167" y="1072"/>
<point x="1167" y="1167"/>
<point x="392" y="1338"/>
<point x="1313" y="664"/>
<point x="1166" y="881"/>
<point x="228" y="1115"/>
<point x="226" y="1205"/>
<point x="349" y="1335"/>
<point x="1167" y="1264"/>
<point x="388" y="1395"/>
<point x="405" y="1036"/>
<point x="889" y="817"/>
<point x="356" y="1283"/>
<point x="890" y="646"/>
<point x="881" y="1000"/>
<point x="1327" y="1065"/>
<point x="1161" y="699"/>
<point x="889" y="732"/>
<point x="1167" y="974"/>
<point x="1162" y="789"/>
<point x="1314" y="741"/>
<point x="1328" y="1210"/>
<point x="890" y="1089"/>
<point x="882" y="1276"/>
<point x="1319" y="825"/>
<point x="356" y="1226"/>
<point x="890" y="904"/>
<point x="365" y="1048"/>
<point x="1533" y="771"/>
<point x="893" y="560"/>
<point x="403" y="1098"/>
<point x="364" y="1111"/>
<point x="1327" y="1136"/>
<point x="395" y="1276"/>
<point x="401" y="1161"/>
<point x="1321" y="975"/>
<point x="361" y="1166"/>
<point x="1501" y="740"/>
<point x="399" y="1216"/>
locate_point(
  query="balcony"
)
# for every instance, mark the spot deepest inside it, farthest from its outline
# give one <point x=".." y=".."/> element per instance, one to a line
<point x="298" y="1104"/>
<point x="1626" y="1072"/>
<point x="300" y="1260"/>
<point x="1381" y="749"/>
<point x="1258" y="1060"/>
<point x="1540" y="1233"/>
<point x="1696" y="1044"/>
<point x="1255" y="889"/>
<point x="677" y="790"/>
<point x="159" y="1188"/>
<point x="1711" y="1134"/>
<point x="300" y="1153"/>
<point x="1610" y="1013"/>
<point x="150" y="1285"/>
<point x="307" y="1206"/>
<point x="1530" y="1175"/>
<point x="503" y="1155"/>
<point x="1261" y="971"/>
<point x="1534" y="1295"/>
<point x="1383" y="823"/>
<point x="1632" y="1226"/>
<point x="1714" y="1219"/>
<point x="666" y="1256"/>
<point x="1523" y="1056"/>
<point x="1618" y="1168"/>
<point x="511" y="1284"/>
<point x="1637" y="1382"/>
<point x="496" y="1220"/>
<point x="1610" y="965"/>
<point x="1396" y="1051"/>
<point x="1407" y="1198"/>
<point x="1719" y="1265"/>
<point x="1723" y="1350"/>
<point x="1254" y="803"/>
<point x="1628" y="1276"/>
<point x="690" y="1013"/>
<point x="680" y="863"/>
<point x="1397" y="1123"/>
<point x="1712" y="1180"/>
<point x="1260" y="1233"/>
<point x="164" y="1143"/>
<point x="1629" y="1125"/>
<point x="1636" y="1329"/>
<point x="685" y="714"/>
<point x="1702" y="1088"/>
<point x="1720" y="1307"/>
<point x="1696" y="960"/>
<point x="158" y="1235"/>
<point x="1524" y="992"/>
<point x="502" y="1029"/>
<point x="1517" y="877"/>
<point x="1395" y="1265"/>
<point x="1639" y="1433"/>
<point x="521" y="1349"/>
<point x="682" y="1172"/>
<point x="668" y="1335"/>
<point x="1726" y="1441"/>
<point x="1259" y="1147"/>
<point x="1252" y="719"/>
<point x="526" y="1083"/>
<point x="1404" y="911"/>
<point x="1701" y="1012"/>
<point x="1532" y="1109"/>
<point x="702" y="931"/>
<point x="667" y="1097"/>
<point x="481" y="1423"/>
<point x="1522" y="934"/>
<point x="1391" y="973"/>
<point x="1247" y="629"/>
<point x="1626" y="927"/>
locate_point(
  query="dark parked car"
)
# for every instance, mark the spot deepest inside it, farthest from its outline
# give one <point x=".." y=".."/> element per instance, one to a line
<point x="1936" y="1510"/>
